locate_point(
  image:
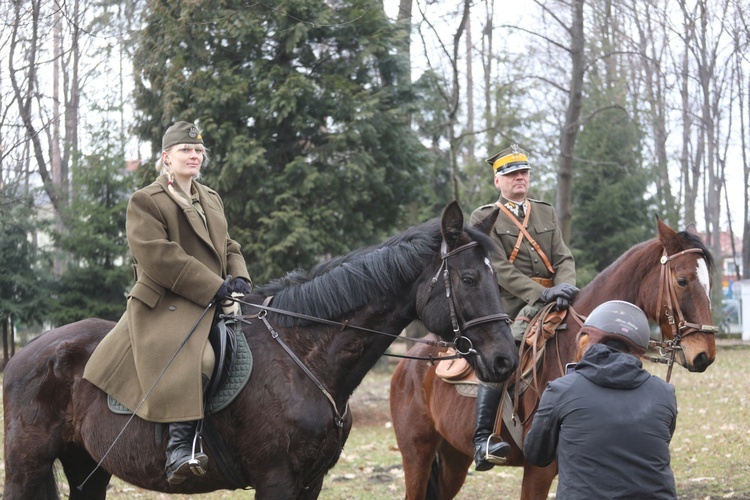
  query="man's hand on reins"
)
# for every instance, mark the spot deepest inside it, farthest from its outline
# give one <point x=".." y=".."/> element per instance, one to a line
<point x="563" y="293"/>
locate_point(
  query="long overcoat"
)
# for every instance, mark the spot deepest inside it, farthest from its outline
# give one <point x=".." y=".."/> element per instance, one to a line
<point x="517" y="289"/>
<point x="180" y="263"/>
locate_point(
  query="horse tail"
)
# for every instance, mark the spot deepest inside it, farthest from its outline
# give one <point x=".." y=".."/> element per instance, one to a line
<point x="433" y="483"/>
<point x="42" y="487"/>
<point x="47" y="489"/>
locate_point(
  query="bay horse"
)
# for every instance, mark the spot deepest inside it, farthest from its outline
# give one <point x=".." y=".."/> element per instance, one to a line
<point x="669" y="277"/>
<point x="287" y="426"/>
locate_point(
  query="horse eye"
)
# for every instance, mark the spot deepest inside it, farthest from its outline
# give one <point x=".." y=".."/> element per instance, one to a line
<point x="468" y="281"/>
<point x="683" y="282"/>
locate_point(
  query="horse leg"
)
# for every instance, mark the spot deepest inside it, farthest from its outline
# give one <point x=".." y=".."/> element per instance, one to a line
<point x="24" y="480"/>
<point x="415" y="431"/>
<point x="312" y="492"/>
<point x="32" y="441"/>
<point x="453" y="466"/>
<point x="85" y="480"/>
<point x="537" y="481"/>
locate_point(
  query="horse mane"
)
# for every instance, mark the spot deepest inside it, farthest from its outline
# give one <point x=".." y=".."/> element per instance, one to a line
<point x="345" y="283"/>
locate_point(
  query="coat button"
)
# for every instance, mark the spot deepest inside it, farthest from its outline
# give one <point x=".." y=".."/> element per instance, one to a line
<point x="172" y="308"/>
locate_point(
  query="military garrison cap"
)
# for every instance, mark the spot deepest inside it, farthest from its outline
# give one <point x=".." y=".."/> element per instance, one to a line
<point x="509" y="160"/>
<point x="181" y="133"/>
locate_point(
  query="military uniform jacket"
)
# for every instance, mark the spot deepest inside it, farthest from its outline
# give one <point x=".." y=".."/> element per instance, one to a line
<point x="517" y="289"/>
<point x="180" y="264"/>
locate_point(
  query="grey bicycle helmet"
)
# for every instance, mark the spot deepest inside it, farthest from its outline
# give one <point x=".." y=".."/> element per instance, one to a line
<point x="619" y="320"/>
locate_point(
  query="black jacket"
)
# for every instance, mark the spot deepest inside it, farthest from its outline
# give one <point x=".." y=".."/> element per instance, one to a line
<point x="609" y="424"/>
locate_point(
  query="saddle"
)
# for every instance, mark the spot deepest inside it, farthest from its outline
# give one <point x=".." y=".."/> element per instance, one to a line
<point x="458" y="372"/>
<point x="543" y="327"/>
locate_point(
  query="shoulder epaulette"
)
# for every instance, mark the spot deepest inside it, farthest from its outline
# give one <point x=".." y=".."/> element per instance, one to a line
<point x="489" y="205"/>
<point x="539" y="201"/>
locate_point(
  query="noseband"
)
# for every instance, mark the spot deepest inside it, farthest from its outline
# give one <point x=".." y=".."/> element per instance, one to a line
<point x="455" y="313"/>
<point x="672" y="311"/>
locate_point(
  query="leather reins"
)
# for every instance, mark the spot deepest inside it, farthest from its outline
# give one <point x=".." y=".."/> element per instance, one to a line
<point x="339" y="419"/>
<point x="672" y="311"/>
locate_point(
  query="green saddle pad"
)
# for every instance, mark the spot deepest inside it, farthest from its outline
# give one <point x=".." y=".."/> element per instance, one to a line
<point x="243" y="367"/>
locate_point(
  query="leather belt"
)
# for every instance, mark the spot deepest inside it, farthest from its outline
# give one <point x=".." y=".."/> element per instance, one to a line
<point x="545" y="282"/>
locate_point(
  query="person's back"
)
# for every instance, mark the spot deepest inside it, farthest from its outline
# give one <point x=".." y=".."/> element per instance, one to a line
<point x="608" y="422"/>
<point x="616" y="422"/>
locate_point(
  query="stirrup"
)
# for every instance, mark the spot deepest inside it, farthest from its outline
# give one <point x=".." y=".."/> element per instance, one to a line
<point x="196" y="467"/>
<point x="494" y="459"/>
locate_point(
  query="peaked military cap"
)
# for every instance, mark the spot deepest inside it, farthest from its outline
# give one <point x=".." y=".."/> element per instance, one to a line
<point x="509" y="160"/>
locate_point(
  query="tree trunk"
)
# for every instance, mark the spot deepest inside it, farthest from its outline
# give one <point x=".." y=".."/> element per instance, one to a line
<point x="469" y="97"/>
<point x="5" y="342"/>
<point x="570" y="128"/>
<point x="487" y="68"/>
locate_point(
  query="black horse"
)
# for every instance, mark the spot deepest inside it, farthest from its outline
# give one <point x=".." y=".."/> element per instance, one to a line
<point x="284" y="431"/>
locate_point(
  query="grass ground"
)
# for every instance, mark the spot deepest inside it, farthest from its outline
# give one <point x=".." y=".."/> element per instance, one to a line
<point x="710" y="448"/>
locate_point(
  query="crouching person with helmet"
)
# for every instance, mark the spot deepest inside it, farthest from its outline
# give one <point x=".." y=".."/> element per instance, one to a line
<point x="608" y="422"/>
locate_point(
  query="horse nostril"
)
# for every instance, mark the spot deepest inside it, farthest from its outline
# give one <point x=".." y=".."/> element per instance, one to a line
<point x="700" y="362"/>
<point x="506" y="364"/>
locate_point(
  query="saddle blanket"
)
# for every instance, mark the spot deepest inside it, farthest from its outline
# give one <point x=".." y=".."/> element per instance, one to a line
<point x="243" y="367"/>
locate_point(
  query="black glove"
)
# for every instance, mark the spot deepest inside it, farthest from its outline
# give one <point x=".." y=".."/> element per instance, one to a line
<point x="240" y="285"/>
<point x="562" y="304"/>
<point x="221" y="293"/>
<point x="562" y="291"/>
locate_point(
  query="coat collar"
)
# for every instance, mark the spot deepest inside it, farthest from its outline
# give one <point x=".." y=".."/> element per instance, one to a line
<point x="214" y="237"/>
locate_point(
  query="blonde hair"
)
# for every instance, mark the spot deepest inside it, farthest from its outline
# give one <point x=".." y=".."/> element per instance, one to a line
<point x="163" y="169"/>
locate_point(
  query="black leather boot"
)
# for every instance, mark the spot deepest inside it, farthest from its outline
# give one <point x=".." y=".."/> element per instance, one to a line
<point x="489" y="450"/>
<point x="182" y="458"/>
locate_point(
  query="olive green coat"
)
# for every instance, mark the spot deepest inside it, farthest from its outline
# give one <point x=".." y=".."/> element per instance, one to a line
<point x="516" y="287"/>
<point x="180" y="266"/>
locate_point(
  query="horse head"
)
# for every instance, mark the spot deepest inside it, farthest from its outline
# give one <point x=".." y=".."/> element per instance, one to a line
<point x="684" y="298"/>
<point x="669" y="277"/>
<point x="459" y="299"/>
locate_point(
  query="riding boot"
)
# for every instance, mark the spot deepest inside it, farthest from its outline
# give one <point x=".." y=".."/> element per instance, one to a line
<point x="182" y="458"/>
<point x="489" y="449"/>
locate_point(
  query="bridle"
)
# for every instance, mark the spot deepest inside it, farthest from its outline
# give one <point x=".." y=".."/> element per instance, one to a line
<point x="455" y="316"/>
<point x="671" y="310"/>
<point x="455" y="313"/>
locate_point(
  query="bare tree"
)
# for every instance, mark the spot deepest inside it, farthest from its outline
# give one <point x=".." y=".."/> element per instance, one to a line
<point x="651" y="25"/>
<point x="740" y="36"/>
<point x="451" y="94"/>
<point x="571" y="124"/>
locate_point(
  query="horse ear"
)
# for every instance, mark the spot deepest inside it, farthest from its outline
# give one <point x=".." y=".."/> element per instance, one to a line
<point x="452" y="224"/>
<point x="485" y="225"/>
<point x="668" y="237"/>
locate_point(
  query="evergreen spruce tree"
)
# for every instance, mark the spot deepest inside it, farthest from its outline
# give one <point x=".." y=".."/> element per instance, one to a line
<point x="97" y="272"/>
<point x="613" y="208"/>
<point x="24" y="286"/>
<point x="301" y="107"/>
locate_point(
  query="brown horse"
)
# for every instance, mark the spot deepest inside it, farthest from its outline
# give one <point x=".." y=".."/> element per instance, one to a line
<point x="287" y="427"/>
<point x="668" y="277"/>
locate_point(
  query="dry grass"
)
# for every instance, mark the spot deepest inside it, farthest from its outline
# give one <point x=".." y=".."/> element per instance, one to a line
<point x="710" y="449"/>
